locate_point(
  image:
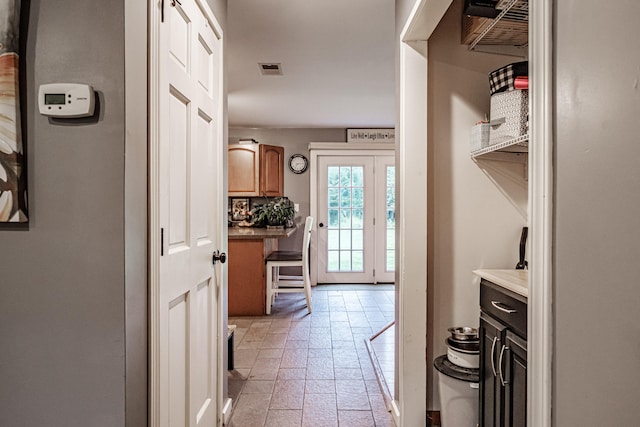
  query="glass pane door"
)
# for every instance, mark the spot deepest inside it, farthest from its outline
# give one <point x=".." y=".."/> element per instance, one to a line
<point x="356" y="219"/>
<point x="385" y="219"/>
<point x="345" y="229"/>
<point x="345" y="223"/>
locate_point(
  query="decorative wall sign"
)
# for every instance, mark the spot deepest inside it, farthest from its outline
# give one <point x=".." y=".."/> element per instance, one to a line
<point x="371" y="135"/>
<point x="13" y="186"/>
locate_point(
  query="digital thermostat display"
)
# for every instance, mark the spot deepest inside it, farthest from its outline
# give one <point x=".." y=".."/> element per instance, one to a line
<point x="54" y="99"/>
<point x="68" y="100"/>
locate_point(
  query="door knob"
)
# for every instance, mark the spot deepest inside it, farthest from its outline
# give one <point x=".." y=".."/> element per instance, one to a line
<point x="219" y="256"/>
<point x="321" y="225"/>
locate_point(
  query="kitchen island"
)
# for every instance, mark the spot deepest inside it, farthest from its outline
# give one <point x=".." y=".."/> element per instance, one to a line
<point x="248" y="248"/>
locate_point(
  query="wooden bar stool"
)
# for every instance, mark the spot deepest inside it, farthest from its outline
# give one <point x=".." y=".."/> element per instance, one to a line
<point x="277" y="283"/>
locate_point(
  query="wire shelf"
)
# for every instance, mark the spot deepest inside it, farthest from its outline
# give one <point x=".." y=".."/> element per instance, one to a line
<point x="510" y="27"/>
<point x="516" y="145"/>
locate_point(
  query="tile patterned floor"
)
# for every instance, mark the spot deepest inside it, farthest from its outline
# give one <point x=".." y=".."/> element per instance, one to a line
<point x="296" y="369"/>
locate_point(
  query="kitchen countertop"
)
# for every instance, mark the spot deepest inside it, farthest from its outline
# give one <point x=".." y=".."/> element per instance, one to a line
<point x="513" y="280"/>
<point x="250" y="233"/>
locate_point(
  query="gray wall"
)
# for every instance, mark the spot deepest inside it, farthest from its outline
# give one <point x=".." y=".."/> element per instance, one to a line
<point x="294" y="140"/>
<point x="597" y="208"/>
<point x="62" y="322"/>
<point x="72" y="349"/>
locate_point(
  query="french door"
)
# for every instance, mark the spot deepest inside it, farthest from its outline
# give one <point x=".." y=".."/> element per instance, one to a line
<point x="356" y="219"/>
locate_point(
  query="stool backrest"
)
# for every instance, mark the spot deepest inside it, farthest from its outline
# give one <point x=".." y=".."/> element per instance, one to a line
<point x="308" y="225"/>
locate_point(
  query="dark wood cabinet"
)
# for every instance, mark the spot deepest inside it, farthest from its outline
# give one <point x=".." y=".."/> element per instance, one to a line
<point x="503" y="357"/>
<point x="516" y="381"/>
<point x="491" y="391"/>
<point x="256" y="170"/>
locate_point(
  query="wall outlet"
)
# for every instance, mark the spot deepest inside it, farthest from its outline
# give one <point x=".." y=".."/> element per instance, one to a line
<point x="296" y="207"/>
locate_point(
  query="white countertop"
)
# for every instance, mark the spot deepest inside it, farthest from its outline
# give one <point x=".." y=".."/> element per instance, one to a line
<point x="514" y="280"/>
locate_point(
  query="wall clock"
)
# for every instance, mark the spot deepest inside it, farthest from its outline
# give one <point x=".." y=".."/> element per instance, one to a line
<point x="298" y="163"/>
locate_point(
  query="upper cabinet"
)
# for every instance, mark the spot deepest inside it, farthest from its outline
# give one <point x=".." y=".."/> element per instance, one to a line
<point x="271" y="170"/>
<point x="256" y="170"/>
<point x="244" y="170"/>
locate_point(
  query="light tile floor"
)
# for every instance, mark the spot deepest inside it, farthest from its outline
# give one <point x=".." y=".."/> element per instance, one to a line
<point x="296" y="369"/>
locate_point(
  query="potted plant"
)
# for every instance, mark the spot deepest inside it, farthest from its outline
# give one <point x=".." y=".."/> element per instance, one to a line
<point x="278" y="212"/>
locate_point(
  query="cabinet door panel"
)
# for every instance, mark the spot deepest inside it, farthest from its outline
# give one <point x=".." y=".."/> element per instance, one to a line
<point x="243" y="171"/>
<point x="516" y="388"/>
<point x="491" y="391"/>
<point x="271" y="170"/>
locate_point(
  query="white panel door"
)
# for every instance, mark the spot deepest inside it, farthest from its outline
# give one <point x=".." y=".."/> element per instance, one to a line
<point x="190" y="190"/>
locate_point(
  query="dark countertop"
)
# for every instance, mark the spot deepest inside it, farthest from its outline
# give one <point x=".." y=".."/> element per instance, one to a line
<point x="250" y="233"/>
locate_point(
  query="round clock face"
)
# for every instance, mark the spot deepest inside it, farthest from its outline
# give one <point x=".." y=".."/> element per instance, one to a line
<point x="298" y="163"/>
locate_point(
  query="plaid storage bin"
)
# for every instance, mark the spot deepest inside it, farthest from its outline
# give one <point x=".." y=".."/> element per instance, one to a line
<point x="509" y="116"/>
<point x="479" y="137"/>
<point x="502" y="79"/>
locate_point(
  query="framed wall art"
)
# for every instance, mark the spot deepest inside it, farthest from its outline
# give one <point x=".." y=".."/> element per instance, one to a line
<point x="13" y="180"/>
<point x="239" y="209"/>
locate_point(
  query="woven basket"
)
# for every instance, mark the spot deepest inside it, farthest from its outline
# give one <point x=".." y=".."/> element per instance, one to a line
<point x="479" y="137"/>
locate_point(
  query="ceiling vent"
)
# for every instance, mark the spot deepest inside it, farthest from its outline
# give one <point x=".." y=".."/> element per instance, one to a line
<point x="270" y="68"/>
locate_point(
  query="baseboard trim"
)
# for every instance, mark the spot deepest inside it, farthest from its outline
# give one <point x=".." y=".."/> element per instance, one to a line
<point x="226" y="411"/>
<point x="382" y="382"/>
<point x="433" y="418"/>
<point x="395" y="412"/>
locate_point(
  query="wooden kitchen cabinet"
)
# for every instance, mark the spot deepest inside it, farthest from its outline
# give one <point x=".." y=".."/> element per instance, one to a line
<point x="248" y="248"/>
<point x="247" y="292"/>
<point x="256" y="170"/>
<point x="271" y="170"/>
<point x="244" y="168"/>
<point x="516" y="388"/>
<point x="491" y="391"/>
<point x="503" y="357"/>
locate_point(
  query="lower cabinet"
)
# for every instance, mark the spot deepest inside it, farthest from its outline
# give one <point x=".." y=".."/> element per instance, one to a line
<point x="491" y="390"/>
<point x="247" y="291"/>
<point x="503" y="357"/>
<point x="516" y="379"/>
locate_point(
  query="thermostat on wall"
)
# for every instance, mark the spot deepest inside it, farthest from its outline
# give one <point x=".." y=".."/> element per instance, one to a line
<point x="66" y="100"/>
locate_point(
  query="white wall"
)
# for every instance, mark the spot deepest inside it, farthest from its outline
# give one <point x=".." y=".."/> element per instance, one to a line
<point x="296" y="186"/>
<point x="476" y="211"/>
<point x="597" y="210"/>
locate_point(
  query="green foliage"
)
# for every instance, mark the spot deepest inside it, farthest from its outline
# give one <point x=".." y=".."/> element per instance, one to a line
<point x="278" y="211"/>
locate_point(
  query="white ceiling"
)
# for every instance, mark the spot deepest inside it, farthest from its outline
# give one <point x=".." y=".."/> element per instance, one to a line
<point x="337" y="59"/>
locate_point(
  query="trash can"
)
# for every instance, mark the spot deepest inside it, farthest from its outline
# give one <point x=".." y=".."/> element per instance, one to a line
<point x="458" y="391"/>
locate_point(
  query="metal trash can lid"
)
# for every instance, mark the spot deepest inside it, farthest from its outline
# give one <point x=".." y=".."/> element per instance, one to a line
<point x="444" y="366"/>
